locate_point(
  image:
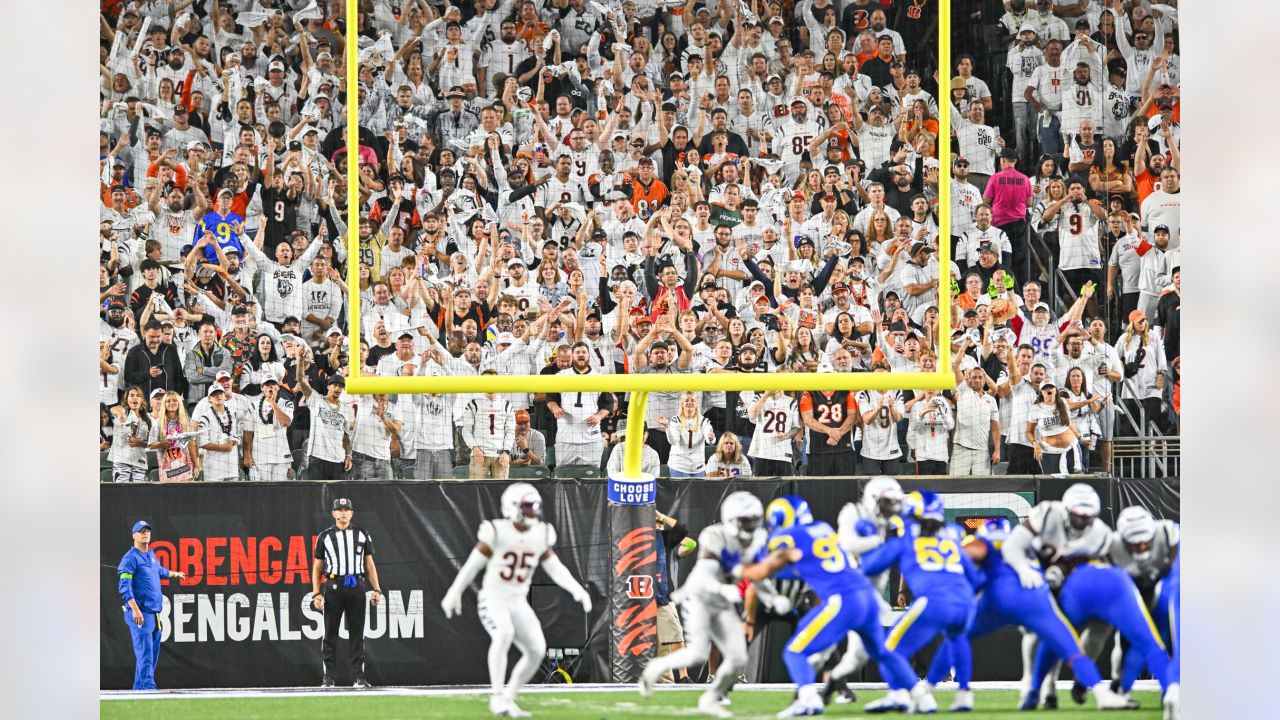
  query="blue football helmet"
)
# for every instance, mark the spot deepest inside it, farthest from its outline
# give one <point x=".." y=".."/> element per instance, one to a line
<point x="786" y="511"/>
<point x="924" y="505"/>
<point x="995" y="531"/>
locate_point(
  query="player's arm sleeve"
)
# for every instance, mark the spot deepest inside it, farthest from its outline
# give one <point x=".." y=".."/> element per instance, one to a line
<point x="125" y="571"/>
<point x="976" y="577"/>
<point x="849" y="539"/>
<point x="1016" y="547"/>
<point x="881" y="558"/>
<point x="317" y="553"/>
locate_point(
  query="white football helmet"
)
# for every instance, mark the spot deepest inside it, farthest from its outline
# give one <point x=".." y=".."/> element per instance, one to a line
<point x="522" y="502"/>
<point x="882" y="497"/>
<point x="743" y="512"/>
<point x="1083" y="506"/>
<point x="1137" y="529"/>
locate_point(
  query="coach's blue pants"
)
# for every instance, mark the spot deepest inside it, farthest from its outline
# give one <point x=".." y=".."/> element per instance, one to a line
<point x="1005" y="602"/>
<point x="146" y="648"/>
<point x="1108" y="594"/>
<point x="929" y="617"/>
<point x="833" y="619"/>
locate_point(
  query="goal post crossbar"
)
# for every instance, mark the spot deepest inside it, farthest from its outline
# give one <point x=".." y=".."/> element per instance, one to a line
<point x="641" y="384"/>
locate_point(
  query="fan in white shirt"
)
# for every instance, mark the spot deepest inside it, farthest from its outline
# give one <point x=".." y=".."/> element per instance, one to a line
<point x="220" y="437"/>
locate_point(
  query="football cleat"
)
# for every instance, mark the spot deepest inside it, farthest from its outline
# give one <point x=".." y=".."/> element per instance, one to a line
<point x="709" y="705"/>
<point x="515" y="711"/>
<point x="1172" y="702"/>
<point x="326" y="681"/>
<point x="1106" y="699"/>
<point x="1079" y="693"/>
<point x="894" y="701"/>
<point x="1029" y="701"/>
<point x="808" y="702"/>
<point x="837" y="691"/>
<point x="963" y="701"/>
<point x="645" y="686"/>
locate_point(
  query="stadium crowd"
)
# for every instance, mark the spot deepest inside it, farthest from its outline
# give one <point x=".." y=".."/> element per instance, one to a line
<point x="570" y="186"/>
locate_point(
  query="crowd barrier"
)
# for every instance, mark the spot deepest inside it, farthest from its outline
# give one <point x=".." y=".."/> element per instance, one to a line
<point x="243" y="615"/>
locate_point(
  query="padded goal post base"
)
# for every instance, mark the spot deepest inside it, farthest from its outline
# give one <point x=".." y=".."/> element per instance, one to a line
<point x="633" y="562"/>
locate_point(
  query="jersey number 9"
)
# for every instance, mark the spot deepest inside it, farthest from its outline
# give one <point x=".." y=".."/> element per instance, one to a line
<point x="828" y="551"/>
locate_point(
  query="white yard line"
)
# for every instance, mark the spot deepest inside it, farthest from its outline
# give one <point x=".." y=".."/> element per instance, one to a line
<point x="480" y="690"/>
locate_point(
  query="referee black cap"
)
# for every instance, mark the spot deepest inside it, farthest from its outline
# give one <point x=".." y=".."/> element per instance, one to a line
<point x="342" y="504"/>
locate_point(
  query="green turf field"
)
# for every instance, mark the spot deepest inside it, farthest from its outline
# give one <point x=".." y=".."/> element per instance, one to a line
<point x="755" y="704"/>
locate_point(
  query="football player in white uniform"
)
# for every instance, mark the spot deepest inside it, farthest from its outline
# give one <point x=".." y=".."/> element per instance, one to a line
<point x="1058" y="530"/>
<point x="880" y="504"/>
<point x="508" y="551"/>
<point x="708" y="598"/>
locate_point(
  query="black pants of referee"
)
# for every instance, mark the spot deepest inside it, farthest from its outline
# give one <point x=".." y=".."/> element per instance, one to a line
<point x="342" y="601"/>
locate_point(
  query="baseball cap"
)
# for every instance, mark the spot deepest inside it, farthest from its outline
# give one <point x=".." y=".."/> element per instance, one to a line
<point x="986" y="247"/>
<point x="239" y="310"/>
<point x="406" y="333"/>
<point x="222" y="374"/>
<point x="276" y="65"/>
<point x="504" y="338"/>
<point x="455" y="92"/>
<point x="116" y="304"/>
<point x="157" y="391"/>
<point x="270" y="379"/>
<point x="522" y="416"/>
<point x="141" y="525"/>
<point x="515" y="261"/>
<point x="920" y="247"/>
<point x="1161" y="227"/>
<point x="342" y="504"/>
<point x="1136" y="315"/>
<point x="215" y="388"/>
<point x="1040" y="306"/>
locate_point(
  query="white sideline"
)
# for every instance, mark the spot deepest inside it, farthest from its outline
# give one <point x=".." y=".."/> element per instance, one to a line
<point x="423" y="691"/>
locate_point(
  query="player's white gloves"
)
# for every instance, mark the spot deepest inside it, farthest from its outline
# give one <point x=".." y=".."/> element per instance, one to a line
<point x="1053" y="576"/>
<point x="780" y="605"/>
<point x="730" y="593"/>
<point x="1029" y="578"/>
<point x="451" y="604"/>
<point x="583" y="598"/>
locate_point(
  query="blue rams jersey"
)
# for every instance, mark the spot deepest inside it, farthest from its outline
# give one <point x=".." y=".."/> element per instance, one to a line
<point x="933" y="566"/>
<point x="823" y="565"/>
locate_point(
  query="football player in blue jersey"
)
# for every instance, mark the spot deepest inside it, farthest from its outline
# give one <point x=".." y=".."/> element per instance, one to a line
<point x="942" y="578"/>
<point x="1173" y="676"/>
<point x="848" y="604"/>
<point x="1017" y="594"/>
<point x="1095" y="591"/>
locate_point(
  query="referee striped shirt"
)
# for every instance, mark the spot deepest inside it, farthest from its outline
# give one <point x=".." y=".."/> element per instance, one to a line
<point x="343" y="551"/>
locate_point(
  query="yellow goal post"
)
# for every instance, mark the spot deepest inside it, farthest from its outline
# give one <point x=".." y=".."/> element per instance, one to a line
<point x="640" y="385"/>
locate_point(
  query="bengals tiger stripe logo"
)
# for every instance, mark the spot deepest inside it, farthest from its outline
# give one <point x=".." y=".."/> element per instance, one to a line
<point x="636" y="627"/>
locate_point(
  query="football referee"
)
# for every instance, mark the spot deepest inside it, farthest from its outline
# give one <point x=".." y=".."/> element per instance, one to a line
<point x="342" y="564"/>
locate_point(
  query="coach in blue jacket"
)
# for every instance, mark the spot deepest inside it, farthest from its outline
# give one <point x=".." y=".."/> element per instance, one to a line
<point x="140" y="572"/>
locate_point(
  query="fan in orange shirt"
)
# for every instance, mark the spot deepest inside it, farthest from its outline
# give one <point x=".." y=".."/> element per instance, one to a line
<point x="529" y="27"/>
<point x="648" y="193"/>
